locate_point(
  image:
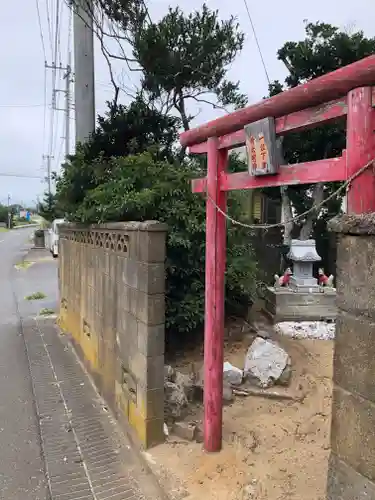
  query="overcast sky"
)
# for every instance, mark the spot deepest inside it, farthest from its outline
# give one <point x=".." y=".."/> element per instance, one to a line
<point x="24" y="132"/>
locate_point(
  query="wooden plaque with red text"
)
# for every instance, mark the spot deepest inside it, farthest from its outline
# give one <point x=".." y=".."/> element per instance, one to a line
<point x="261" y="146"/>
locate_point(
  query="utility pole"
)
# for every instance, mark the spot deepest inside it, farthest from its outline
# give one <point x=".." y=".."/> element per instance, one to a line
<point x="48" y="158"/>
<point x="84" y="88"/>
<point x="9" y="213"/>
<point x="68" y="80"/>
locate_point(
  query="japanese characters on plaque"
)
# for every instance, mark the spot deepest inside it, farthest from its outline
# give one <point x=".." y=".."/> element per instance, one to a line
<point x="262" y="151"/>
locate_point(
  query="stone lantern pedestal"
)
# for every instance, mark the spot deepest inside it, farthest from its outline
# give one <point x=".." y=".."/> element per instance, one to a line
<point x="303" y="299"/>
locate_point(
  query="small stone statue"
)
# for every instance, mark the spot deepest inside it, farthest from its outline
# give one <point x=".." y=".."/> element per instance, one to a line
<point x="325" y="281"/>
<point x="284" y="279"/>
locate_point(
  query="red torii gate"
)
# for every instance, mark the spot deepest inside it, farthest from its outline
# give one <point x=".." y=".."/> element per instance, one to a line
<point x="346" y="92"/>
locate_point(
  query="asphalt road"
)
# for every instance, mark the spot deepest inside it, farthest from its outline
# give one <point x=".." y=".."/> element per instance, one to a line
<point x="21" y="465"/>
<point x="75" y="438"/>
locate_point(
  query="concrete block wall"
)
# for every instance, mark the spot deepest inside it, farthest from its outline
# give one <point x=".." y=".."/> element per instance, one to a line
<point x="112" y="303"/>
<point x="352" y="463"/>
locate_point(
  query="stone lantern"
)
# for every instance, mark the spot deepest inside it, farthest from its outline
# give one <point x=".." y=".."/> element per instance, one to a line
<point x="303" y="254"/>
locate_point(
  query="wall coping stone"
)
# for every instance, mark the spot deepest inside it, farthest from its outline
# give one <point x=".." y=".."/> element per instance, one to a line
<point x="148" y="225"/>
<point x="363" y="224"/>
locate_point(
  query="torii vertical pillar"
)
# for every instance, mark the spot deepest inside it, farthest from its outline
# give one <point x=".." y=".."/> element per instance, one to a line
<point x="215" y="284"/>
<point x="360" y="149"/>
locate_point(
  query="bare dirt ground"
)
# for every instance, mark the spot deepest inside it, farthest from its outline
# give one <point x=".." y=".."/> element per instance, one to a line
<point x="272" y="450"/>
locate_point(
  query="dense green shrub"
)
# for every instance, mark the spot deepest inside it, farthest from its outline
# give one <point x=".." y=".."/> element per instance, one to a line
<point x="141" y="187"/>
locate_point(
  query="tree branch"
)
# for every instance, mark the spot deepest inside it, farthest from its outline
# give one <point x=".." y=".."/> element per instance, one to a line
<point x="286" y="215"/>
<point x="307" y="227"/>
<point x="215" y="106"/>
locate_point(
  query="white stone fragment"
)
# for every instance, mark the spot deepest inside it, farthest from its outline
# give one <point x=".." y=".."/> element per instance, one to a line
<point x="232" y="374"/>
<point x="265" y="362"/>
<point x="319" y="330"/>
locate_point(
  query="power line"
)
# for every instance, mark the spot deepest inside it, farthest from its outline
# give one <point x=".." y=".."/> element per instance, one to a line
<point x="49" y="27"/>
<point x="60" y="24"/>
<point x="257" y="42"/>
<point x="40" y="29"/>
<point x="21" y="105"/>
<point x="25" y="176"/>
<point x="57" y="31"/>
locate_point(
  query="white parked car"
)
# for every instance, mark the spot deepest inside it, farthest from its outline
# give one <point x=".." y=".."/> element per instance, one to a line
<point x="54" y="237"/>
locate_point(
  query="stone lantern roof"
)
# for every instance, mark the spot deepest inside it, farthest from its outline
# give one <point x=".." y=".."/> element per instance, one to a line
<point x="303" y="251"/>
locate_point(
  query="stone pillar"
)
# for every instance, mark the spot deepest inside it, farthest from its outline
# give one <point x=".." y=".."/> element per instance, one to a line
<point x="351" y="474"/>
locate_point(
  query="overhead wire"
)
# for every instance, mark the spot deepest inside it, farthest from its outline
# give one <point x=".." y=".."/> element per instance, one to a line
<point x="37" y="5"/>
<point x="26" y="176"/>
<point x="21" y="105"/>
<point x="56" y="96"/>
<point x="59" y="124"/>
<point x="60" y="24"/>
<point x="54" y="116"/>
<point x="41" y="30"/>
<point x="49" y="23"/>
<point x="257" y="41"/>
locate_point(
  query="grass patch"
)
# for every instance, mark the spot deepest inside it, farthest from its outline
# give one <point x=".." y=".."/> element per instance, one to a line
<point x="36" y="296"/>
<point x="3" y="229"/>
<point x="24" y="264"/>
<point x="46" y="312"/>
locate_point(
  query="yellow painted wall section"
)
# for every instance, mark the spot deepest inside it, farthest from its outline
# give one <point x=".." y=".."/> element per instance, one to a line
<point x="138" y="422"/>
<point x="70" y="322"/>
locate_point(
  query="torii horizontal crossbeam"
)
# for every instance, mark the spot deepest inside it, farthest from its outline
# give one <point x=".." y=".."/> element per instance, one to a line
<point x="330" y="170"/>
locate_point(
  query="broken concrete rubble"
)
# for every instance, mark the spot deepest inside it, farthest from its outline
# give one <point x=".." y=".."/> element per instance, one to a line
<point x="169" y="373"/>
<point x="265" y="362"/>
<point x="232" y="374"/>
<point x="175" y="398"/>
<point x="187" y="382"/>
<point x="286" y="376"/>
<point x="184" y="430"/>
<point x="227" y="389"/>
<point x="175" y="401"/>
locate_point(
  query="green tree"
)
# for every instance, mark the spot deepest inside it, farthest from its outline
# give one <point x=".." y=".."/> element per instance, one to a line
<point x="324" y="49"/>
<point x="122" y="131"/>
<point x="4" y="210"/>
<point x="50" y="208"/>
<point x="182" y="59"/>
<point x="186" y="58"/>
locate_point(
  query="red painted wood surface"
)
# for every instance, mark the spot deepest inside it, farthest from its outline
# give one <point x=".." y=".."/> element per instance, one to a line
<point x="214" y="307"/>
<point x="360" y="149"/>
<point x="329" y="170"/>
<point x="323" y="89"/>
<point x="294" y="122"/>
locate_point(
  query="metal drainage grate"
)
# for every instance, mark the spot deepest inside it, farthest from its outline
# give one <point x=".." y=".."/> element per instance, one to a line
<point x="86" y="456"/>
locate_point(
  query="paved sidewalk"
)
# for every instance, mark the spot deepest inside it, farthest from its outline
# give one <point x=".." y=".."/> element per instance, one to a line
<point x="22" y="474"/>
<point x="86" y="456"/>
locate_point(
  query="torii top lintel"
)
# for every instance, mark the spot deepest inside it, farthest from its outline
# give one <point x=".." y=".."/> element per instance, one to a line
<point x="318" y="91"/>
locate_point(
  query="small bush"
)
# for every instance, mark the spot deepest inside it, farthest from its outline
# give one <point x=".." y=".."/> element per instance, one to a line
<point x="36" y="296"/>
<point x="46" y="312"/>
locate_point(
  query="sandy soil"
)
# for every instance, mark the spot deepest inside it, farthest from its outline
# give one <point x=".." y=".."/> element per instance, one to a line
<point x="273" y="450"/>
